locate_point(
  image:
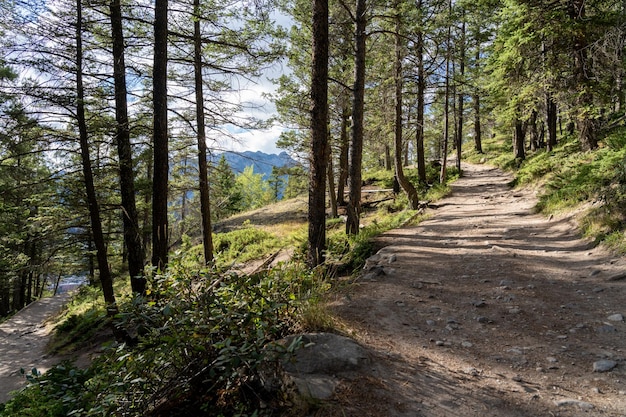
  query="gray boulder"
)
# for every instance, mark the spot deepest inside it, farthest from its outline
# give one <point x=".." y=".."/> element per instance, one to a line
<point x="314" y="368"/>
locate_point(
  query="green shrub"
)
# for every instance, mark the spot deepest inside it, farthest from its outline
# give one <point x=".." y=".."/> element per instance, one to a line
<point x="59" y="392"/>
<point x="203" y="345"/>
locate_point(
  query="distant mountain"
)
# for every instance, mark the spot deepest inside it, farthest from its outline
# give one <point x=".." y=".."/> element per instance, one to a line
<point x="261" y="161"/>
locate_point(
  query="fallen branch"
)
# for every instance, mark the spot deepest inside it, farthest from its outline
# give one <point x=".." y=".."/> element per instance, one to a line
<point x="370" y="204"/>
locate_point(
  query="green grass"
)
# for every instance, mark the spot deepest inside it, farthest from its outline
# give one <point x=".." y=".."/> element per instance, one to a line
<point x="84" y="317"/>
<point x="243" y="245"/>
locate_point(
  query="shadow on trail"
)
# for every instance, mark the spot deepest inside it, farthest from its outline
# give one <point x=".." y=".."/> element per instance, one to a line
<point x="470" y="303"/>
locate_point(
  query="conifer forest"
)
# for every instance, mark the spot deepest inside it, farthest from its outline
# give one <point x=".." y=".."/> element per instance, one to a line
<point x="116" y="118"/>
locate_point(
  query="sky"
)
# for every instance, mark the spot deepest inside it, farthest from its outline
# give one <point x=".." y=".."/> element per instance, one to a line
<point x="263" y="140"/>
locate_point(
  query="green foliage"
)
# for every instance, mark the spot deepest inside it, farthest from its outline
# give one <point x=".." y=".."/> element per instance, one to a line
<point x="226" y="193"/>
<point x="497" y="150"/>
<point x="83" y="318"/>
<point x="203" y="345"/>
<point x="297" y="182"/>
<point x="243" y="244"/>
<point x="59" y="392"/>
<point x="351" y="251"/>
<point x="385" y="178"/>
<point x="255" y="191"/>
<point x="78" y="329"/>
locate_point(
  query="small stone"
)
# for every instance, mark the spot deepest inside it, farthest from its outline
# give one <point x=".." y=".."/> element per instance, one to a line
<point x="595" y="272"/>
<point x="604" y="365"/>
<point x="471" y="371"/>
<point x="374" y="272"/>
<point x="439" y="343"/>
<point x="392" y="259"/>
<point x="552" y="359"/>
<point x="506" y="283"/>
<point x="515" y="310"/>
<point x="517" y="378"/>
<point x="596" y="390"/>
<point x="479" y="303"/>
<point x="598" y="289"/>
<point x="482" y="319"/>
<point x="577" y="403"/>
<point x="615" y="317"/>
<point x="452" y="320"/>
<point x="430" y="322"/>
<point x="466" y="344"/>
<point x="607" y="328"/>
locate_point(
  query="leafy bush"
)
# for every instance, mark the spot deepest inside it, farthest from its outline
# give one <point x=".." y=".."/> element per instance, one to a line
<point x="57" y="393"/>
<point x="204" y="345"/>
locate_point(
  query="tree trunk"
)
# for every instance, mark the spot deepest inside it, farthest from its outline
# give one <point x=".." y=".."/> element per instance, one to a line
<point x="421" y="92"/>
<point x="94" y="210"/>
<point x="356" y="155"/>
<point x="446" y="110"/>
<point x="205" y="200"/>
<point x="518" y="140"/>
<point x="406" y="185"/>
<point x="91" y="261"/>
<point x="551" y="119"/>
<point x="332" y="195"/>
<point x="343" y="157"/>
<point x="319" y="150"/>
<point x="160" y="227"/>
<point x="534" y="132"/>
<point x="387" y="161"/>
<point x="478" y="141"/>
<point x="582" y="76"/>
<point x="145" y="239"/>
<point x="406" y="162"/>
<point x="5" y="296"/>
<point x="32" y="266"/>
<point x="132" y="234"/>
<point x="461" y="98"/>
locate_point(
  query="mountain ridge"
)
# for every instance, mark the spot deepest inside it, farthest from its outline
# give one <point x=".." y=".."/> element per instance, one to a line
<point x="262" y="162"/>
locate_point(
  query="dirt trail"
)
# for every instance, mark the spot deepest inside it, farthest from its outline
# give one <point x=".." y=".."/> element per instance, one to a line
<point x="486" y="309"/>
<point x="23" y="339"/>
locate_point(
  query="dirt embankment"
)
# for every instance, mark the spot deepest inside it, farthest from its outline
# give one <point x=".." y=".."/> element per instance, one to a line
<point x="487" y="309"/>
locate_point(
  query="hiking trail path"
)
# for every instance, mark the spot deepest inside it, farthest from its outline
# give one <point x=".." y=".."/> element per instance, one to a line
<point x="23" y="340"/>
<point x="486" y="309"/>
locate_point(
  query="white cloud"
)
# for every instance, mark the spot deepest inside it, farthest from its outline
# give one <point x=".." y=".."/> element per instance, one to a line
<point x="263" y="140"/>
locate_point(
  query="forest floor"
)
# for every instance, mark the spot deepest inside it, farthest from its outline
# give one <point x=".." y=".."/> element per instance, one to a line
<point x="486" y="309"/>
<point x="23" y="341"/>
